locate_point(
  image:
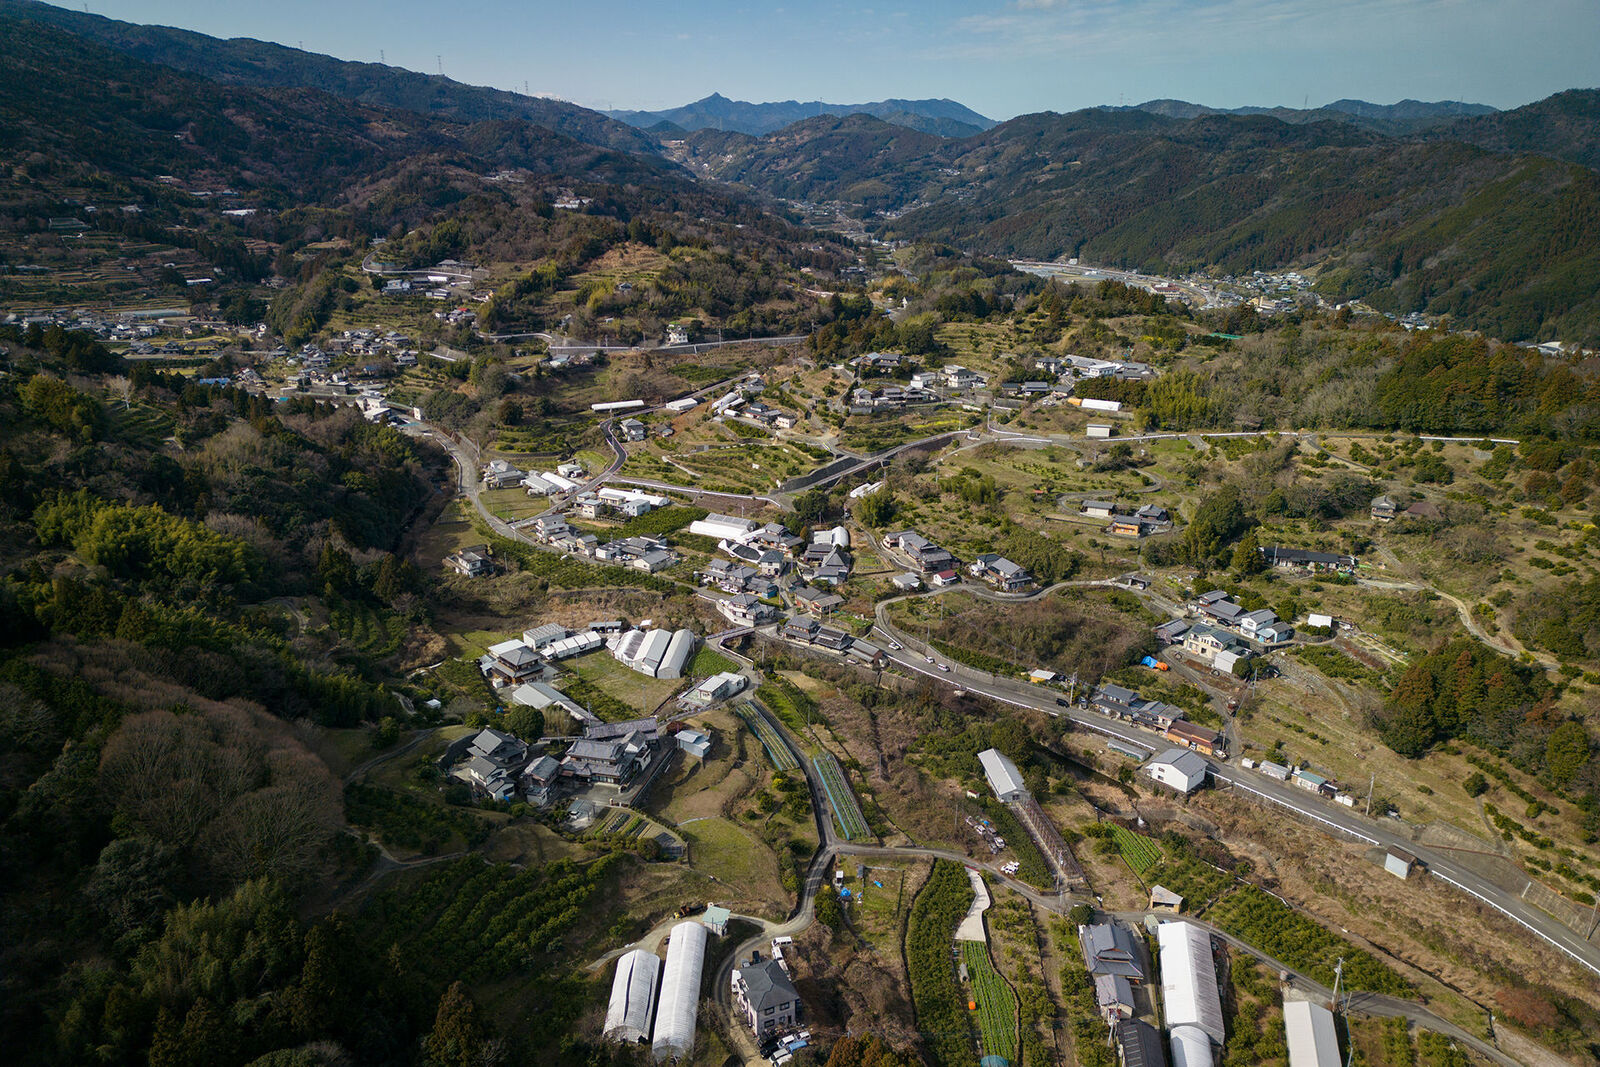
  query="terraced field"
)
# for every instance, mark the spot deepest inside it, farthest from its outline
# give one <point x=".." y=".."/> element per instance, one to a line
<point x="997" y="1005"/>
<point x="138" y="425"/>
<point x="846" y="811"/>
<point x="367" y="630"/>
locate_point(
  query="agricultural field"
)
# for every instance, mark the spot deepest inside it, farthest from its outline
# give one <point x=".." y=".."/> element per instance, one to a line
<point x="846" y="811"/>
<point x="777" y="752"/>
<point x="605" y="673"/>
<point x="997" y="1005"/>
<point x="1138" y="851"/>
<point x="365" y="630"/>
<point x="745" y="467"/>
<point x="935" y="993"/>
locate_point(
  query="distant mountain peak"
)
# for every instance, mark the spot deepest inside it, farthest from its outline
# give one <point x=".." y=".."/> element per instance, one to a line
<point x="942" y="117"/>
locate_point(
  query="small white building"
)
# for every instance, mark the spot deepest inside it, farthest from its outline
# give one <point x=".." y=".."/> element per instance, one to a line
<point x="1098" y="431"/>
<point x="693" y="742"/>
<point x="1179" y="768"/>
<point x="1313" y="1041"/>
<point x="1399" y="862"/>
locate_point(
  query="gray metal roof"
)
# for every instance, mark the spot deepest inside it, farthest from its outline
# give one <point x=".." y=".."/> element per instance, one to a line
<point x="766" y="985"/>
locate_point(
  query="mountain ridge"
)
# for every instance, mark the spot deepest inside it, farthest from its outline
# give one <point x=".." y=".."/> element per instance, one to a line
<point x="942" y="117"/>
<point x="246" y="61"/>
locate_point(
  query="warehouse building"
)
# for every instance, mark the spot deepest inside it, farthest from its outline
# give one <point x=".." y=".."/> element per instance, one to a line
<point x="1004" y="778"/>
<point x="1313" y="1042"/>
<point x="724" y="527"/>
<point x="679" y="1005"/>
<point x="1189" y="991"/>
<point x="633" y="997"/>
<point x="658" y="653"/>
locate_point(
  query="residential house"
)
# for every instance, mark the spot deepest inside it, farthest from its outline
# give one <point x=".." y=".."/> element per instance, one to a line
<point x="471" y="562"/>
<point x="551" y="525"/>
<point x="1183" y="771"/>
<point x="801" y="628"/>
<point x="538" y="780"/>
<point x="1098" y="509"/>
<point x="1384" y="508"/>
<point x="633" y="430"/>
<point x="764" y="997"/>
<point x="1205" y="641"/>
<point x="1114" y="995"/>
<point x="501" y="475"/>
<point x="1248" y="623"/>
<point x="817" y="601"/>
<point x="1222" y="612"/>
<point x="1109" y="948"/>
<point x="1193" y="736"/>
<point x="1301" y="559"/>
<point x="612" y="753"/>
<point x="746" y="610"/>
<point x="1000" y="572"/>
<point x="511" y="663"/>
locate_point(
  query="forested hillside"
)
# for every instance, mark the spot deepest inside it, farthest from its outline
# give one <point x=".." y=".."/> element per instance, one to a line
<point x="246" y="62"/>
<point x="1496" y="229"/>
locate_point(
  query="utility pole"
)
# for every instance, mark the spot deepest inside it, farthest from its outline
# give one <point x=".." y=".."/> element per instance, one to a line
<point x="1370" y="783"/>
<point x="1338" y="976"/>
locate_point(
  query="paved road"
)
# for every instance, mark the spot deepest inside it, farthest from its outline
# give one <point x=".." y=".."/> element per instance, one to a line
<point x="1330" y="817"/>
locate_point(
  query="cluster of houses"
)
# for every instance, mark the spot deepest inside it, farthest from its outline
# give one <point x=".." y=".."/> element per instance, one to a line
<point x="1300" y="559"/>
<point x="1227" y="633"/>
<point x="739" y="402"/>
<point x="503" y="474"/>
<point x="502" y="767"/>
<point x="925" y="386"/>
<point x="1077" y="368"/>
<point x="639" y="552"/>
<point x="533" y="656"/>
<point x="928" y="558"/>
<point x="1124" y="704"/>
<point x="811" y="631"/>
<point x="1124" y="521"/>
<point x="940" y="567"/>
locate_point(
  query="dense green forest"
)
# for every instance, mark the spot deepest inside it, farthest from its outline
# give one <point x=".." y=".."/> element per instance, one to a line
<point x="1507" y="249"/>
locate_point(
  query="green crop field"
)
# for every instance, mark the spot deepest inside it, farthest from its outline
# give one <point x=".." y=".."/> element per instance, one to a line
<point x="997" y="1005"/>
<point x="841" y="798"/>
<point x="1138" y="850"/>
<point x="778" y="752"/>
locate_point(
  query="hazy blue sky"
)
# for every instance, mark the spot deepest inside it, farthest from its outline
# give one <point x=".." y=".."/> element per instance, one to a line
<point x="1001" y="57"/>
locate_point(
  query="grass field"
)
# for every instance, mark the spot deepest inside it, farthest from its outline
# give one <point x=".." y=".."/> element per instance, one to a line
<point x="604" y="672"/>
<point x="735" y="858"/>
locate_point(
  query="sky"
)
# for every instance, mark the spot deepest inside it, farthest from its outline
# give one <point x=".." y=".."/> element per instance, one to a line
<point x="1000" y="57"/>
